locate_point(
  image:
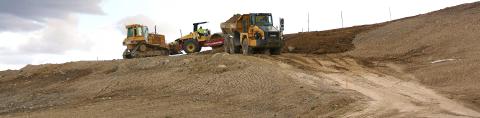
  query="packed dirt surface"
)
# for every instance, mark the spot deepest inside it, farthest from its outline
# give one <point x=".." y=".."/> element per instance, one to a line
<point x="389" y="95"/>
<point x="208" y="85"/>
<point x="439" y="49"/>
<point x="219" y="85"/>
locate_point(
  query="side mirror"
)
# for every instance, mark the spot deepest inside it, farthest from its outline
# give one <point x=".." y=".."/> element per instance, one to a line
<point x="282" y="27"/>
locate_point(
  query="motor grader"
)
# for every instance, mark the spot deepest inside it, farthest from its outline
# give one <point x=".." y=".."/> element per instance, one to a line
<point x="195" y="40"/>
<point x="252" y="33"/>
<point x="141" y="43"/>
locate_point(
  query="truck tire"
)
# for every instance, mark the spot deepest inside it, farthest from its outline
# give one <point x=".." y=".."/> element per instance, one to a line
<point x="275" y="51"/>
<point x="226" y="45"/>
<point x="246" y="49"/>
<point x="191" y="46"/>
<point x="233" y="49"/>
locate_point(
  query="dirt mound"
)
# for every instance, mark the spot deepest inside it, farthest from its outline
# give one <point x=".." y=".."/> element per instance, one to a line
<point x="440" y="49"/>
<point x="201" y="85"/>
<point x="322" y="42"/>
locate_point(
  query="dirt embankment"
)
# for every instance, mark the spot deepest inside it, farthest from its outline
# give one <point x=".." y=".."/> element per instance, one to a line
<point x="208" y="85"/>
<point x="389" y="95"/>
<point x="322" y="42"/>
<point x="439" y="49"/>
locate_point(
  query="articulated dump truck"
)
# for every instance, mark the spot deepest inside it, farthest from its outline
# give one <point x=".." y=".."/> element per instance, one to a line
<point x="252" y="33"/>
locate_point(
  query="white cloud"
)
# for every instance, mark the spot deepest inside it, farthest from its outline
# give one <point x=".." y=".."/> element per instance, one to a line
<point x="58" y="36"/>
<point x="137" y="19"/>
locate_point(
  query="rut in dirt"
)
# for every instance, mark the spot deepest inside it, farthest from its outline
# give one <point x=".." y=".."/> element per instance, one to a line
<point x="389" y="95"/>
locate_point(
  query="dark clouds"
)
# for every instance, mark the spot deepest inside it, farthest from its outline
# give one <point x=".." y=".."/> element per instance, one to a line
<point x="55" y="21"/>
<point x="15" y="23"/>
<point x="28" y="15"/>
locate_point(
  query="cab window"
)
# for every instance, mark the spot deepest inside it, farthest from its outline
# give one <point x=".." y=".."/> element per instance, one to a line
<point x="139" y="31"/>
<point x="130" y="32"/>
<point x="263" y="20"/>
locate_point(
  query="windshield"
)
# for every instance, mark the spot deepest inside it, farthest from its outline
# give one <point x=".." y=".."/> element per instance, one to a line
<point x="263" y="20"/>
<point x="139" y="31"/>
<point x="130" y="32"/>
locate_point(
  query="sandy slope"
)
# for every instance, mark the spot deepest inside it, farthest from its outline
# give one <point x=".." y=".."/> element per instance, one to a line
<point x="441" y="49"/>
<point x="209" y="85"/>
<point x="438" y="50"/>
<point x="220" y="85"/>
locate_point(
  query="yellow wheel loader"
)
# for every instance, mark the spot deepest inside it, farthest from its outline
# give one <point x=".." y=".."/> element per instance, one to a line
<point x="141" y="43"/>
<point x="251" y="33"/>
<point x="199" y="38"/>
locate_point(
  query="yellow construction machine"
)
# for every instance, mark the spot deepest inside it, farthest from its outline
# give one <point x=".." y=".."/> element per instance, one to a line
<point x="141" y="43"/>
<point x="251" y="33"/>
<point x="194" y="41"/>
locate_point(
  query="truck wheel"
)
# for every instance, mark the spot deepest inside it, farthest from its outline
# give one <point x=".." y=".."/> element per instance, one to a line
<point x="266" y="51"/>
<point x="233" y="49"/>
<point x="191" y="46"/>
<point x="226" y="45"/>
<point x="247" y="50"/>
<point x="275" y="51"/>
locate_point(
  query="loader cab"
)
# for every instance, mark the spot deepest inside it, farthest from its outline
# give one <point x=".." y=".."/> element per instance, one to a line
<point x="261" y="19"/>
<point x="195" y="25"/>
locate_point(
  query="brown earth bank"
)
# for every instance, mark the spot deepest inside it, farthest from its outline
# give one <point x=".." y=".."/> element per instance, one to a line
<point x="207" y="85"/>
<point x="323" y="42"/>
<point x="440" y="49"/>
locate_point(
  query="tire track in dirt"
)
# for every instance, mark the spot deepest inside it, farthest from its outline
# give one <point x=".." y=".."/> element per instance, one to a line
<point x="389" y="96"/>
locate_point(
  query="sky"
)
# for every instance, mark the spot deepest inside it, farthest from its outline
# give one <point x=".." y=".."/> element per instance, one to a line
<point x="58" y="31"/>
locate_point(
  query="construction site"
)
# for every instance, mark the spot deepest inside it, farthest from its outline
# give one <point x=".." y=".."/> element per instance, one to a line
<point x="420" y="66"/>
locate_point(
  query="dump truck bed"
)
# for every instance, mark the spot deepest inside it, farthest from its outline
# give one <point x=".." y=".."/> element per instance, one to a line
<point x="229" y="26"/>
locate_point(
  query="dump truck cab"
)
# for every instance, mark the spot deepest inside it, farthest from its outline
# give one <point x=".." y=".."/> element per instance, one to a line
<point x="254" y="32"/>
<point x="261" y="19"/>
<point x="262" y="32"/>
